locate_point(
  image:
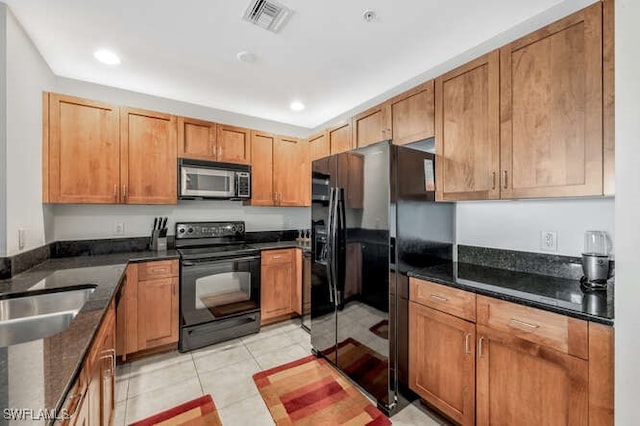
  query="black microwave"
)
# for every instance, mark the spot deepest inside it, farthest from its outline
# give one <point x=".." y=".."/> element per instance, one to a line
<point x="199" y="179"/>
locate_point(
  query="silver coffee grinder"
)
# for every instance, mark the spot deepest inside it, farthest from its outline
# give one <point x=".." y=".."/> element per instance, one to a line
<point x="595" y="260"/>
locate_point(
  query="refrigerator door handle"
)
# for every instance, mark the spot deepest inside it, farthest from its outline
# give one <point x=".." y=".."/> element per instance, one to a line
<point x="334" y="241"/>
<point x="340" y="237"/>
<point x="329" y="244"/>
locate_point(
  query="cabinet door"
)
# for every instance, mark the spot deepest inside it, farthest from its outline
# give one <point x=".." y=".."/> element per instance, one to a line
<point x="81" y="157"/>
<point x="148" y="157"/>
<point x="157" y="312"/>
<point x="196" y="139"/>
<point x="413" y="114"/>
<point x="319" y="146"/>
<point x="262" y="191"/>
<point x="234" y="144"/>
<point x="291" y="172"/>
<point x="80" y="416"/>
<point x="551" y="100"/>
<point x="467" y="131"/>
<point x="340" y="138"/>
<point x="442" y="361"/>
<point x="522" y="383"/>
<point x="276" y="290"/>
<point x="107" y="370"/>
<point x="371" y="126"/>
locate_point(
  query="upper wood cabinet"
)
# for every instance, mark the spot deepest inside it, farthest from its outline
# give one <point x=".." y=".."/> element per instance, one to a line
<point x="81" y="150"/>
<point x="197" y="139"/>
<point x="148" y="158"/>
<point x="413" y="114"/>
<point x="234" y="144"/>
<point x="319" y="146"/>
<point x="467" y="131"/>
<point x="340" y="138"/>
<point x="551" y="100"/>
<point x="372" y="125"/>
<point x="102" y="154"/>
<point x="291" y="172"/>
<point x="262" y="147"/>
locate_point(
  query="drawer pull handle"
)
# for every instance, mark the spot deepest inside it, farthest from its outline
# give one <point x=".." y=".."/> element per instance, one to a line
<point x="276" y="257"/>
<point x="480" y="347"/>
<point x="525" y="324"/>
<point x="467" y="338"/>
<point x="439" y="298"/>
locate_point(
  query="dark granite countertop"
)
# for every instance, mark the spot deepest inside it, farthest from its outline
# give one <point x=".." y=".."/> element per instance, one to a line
<point x="39" y="373"/>
<point x="560" y="295"/>
<point x="280" y="245"/>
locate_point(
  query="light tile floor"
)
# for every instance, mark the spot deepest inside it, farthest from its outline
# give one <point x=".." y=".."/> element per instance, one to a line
<point x="154" y="384"/>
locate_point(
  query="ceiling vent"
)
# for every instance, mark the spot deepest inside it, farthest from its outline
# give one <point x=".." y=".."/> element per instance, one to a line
<point x="269" y="15"/>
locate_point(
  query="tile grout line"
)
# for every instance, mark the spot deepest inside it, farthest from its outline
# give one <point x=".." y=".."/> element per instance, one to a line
<point x="195" y="367"/>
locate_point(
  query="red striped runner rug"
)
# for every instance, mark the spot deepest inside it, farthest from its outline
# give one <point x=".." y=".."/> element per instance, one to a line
<point x="198" y="412"/>
<point x="309" y="392"/>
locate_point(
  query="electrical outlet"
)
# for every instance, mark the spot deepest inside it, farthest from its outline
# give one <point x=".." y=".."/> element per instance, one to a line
<point x="119" y="229"/>
<point x="22" y="238"/>
<point x="549" y="241"/>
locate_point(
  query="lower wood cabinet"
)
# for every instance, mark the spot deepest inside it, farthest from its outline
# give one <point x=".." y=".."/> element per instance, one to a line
<point x="518" y="365"/>
<point x="442" y="361"/>
<point x="91" y="400"/>
<point x="280" y="284"/>
<point x="521" y="383"/>
<point x="149" y="306"/>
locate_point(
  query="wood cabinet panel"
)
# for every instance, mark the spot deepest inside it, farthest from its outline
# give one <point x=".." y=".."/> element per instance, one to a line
<point x="442" y="361"/>
<point x="551" y="100"/>
<point x="148" y="157"/>
<point x="522" y="383"/>
<point x="371" y="126"/>
<point x="291" y="172"/>
<point x="234" y="144"/>
<point x="276" y="292"/>
<point x="446" y="299"/>
<point x="319" y="146"/>
<point x="601" y="374"/>
<point x="467" y="131"/>
<point x="81" y="159"/>
<point x="158" y="312"/>
<point x="197" y="139"/>
<point x="413" y="114"/>
<point x="262" y="190"/>
<point x="274" y="257"/>
<point x="560" y="332"/>
<point x="340" y="138"/>
<point x="608" y="97"/>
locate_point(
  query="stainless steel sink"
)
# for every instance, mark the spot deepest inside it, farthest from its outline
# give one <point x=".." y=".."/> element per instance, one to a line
<point x="43" y="314"/>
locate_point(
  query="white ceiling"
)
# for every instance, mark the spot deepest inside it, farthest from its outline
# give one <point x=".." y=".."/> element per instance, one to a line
<point x="326" y="56"/>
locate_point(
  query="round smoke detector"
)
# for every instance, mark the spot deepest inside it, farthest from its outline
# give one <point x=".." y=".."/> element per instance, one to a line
<point x="369" y="15"/>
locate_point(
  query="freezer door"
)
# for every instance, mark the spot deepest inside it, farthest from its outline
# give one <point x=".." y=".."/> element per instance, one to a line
<point x="323" y="306"/>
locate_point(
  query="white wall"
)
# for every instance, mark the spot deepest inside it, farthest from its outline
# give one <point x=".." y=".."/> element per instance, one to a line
<point x="77" y="222"/>
<point x="516" y="225"/>
<point x="27" y="76"/>
<point x="627" y="212"/>
<point x="3" y="131"/>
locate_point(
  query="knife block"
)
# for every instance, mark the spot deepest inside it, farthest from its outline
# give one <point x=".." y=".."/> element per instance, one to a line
<point x="159" y="240"/>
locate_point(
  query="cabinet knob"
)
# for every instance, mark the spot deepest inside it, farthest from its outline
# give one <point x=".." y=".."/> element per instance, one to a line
<point x="467" y="339"/>
<point x="480" y="347"/>
<point x="505" y="180"/>
<point x="493" y="180"/>
<point x="124" y="192"/>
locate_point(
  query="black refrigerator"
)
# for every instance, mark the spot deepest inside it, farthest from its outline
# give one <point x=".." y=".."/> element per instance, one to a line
<point x="373" y="219"/>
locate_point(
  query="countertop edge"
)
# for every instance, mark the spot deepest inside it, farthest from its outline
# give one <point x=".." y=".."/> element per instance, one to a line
<point x="514" y="299"/>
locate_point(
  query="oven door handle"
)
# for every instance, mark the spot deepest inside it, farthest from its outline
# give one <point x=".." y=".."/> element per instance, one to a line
<point x="227" y="259"/>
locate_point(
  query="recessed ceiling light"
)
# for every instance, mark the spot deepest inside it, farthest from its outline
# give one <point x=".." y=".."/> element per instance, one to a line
<point x="247" y="57"/>
<point x="296" y="106"/>
<point x="106" y="57"/>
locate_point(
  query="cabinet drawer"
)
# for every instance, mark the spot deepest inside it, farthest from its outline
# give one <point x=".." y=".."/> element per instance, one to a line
<point x="157" y="269"/>
<point x="449" y="300"/>
<point x="272" y="257"/>
<point x="559" y="332"/>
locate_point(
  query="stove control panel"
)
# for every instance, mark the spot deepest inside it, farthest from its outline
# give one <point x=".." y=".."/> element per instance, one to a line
<point x="192" y="230"/>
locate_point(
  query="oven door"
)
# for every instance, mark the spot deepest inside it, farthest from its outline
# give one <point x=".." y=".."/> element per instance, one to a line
<point x="206" y="182"/>
<point x="220" y="289"/>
